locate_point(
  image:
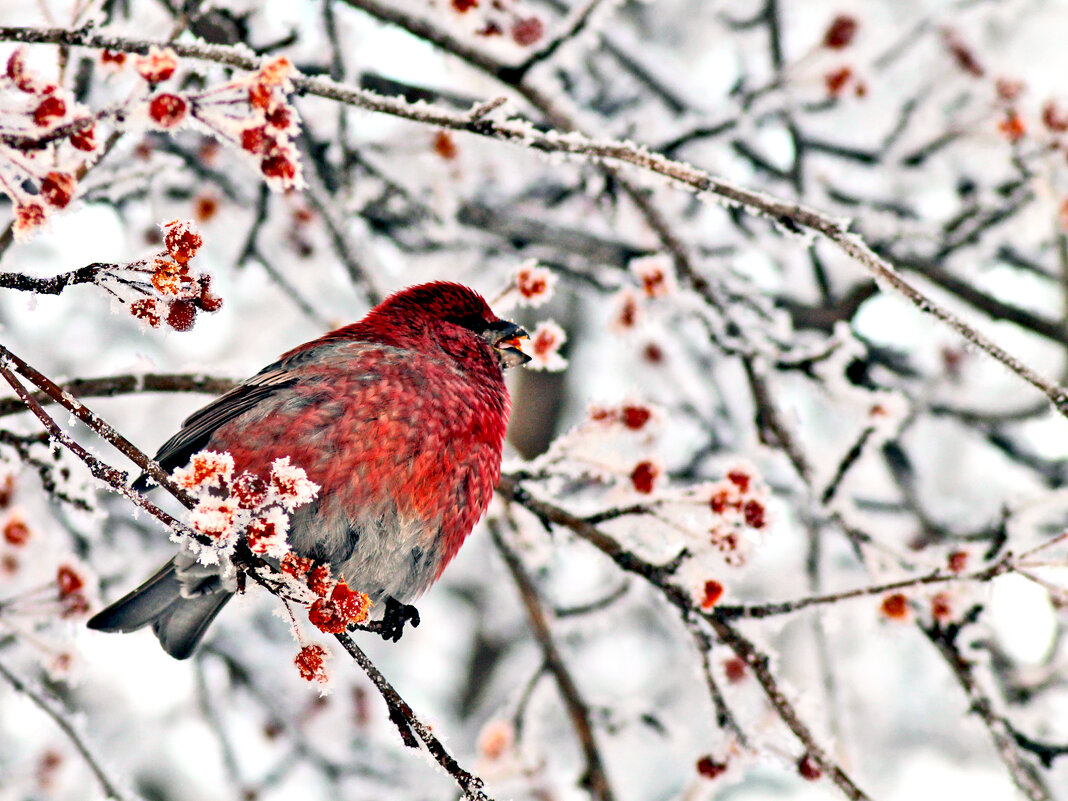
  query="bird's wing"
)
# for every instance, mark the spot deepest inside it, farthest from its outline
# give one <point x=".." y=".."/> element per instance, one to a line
<point x="197" y="429"/>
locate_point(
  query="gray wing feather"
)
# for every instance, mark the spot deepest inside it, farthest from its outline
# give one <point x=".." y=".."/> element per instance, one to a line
<point x="197" y="429"/>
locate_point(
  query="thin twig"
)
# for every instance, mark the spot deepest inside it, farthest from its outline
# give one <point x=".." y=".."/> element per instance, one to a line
<point x="791" y="215"/>
<point x="114" y="478"/>
<point x="595" y="778"/>
<point x="56" y="284"/>
<point x="659" y="576"/>
<point x="96" y="423"/>
<point x="107" y="784"/>
<point x="1023" y="772"/>
<point x="406" y="721"/>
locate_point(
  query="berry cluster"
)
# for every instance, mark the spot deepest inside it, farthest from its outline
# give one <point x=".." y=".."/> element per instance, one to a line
<point x="229" y="505"/>
<point x="45" y="140"/>
<point x="164" y="289"/>
<point x="251" y="112"/>
<point x="495" y="18"/>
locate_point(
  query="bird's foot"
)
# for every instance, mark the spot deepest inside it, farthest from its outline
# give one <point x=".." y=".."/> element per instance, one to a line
<point x="391" y="626"/>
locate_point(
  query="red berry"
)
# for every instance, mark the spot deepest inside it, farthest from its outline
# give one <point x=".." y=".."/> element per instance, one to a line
<point x="527" y="31"/>
<point x="445" y="145"/>
<point x="895" y="607"/>
<point x="182" y="315"/>
<point x="68" y="580"/>
<point x="158" y="65"/>
<point x="49" y="110"/>
<point x="29" y="215"/>
<point x="809" y="768"/>
<point x="147" y="309"/>
<point x="84" y="138"/>
<point x="643" y="476"/>
<point x="735" y="668"/>
<point x="57" y="188"/>
<point x="206" y="300"/>
<point x="1012" y="126"/>
<point x="16" y="532"/>
<point x="635" y="417"/>
<point x="740" y="479"/>
<point x="837" y="80"/>
<point x="713" y="592"/>
<point x="279" y="117"/>
<point x="182" y="241"/>
<point x="958" y="561"/>
<point x="710" y="768"/>
<point x="278" y="165"/>
<point x="167" y="110"/>
<point x="309" y="662"/>
<point x="840" y="33"/>
<point x="255" y="140"/>
<point x="754" y="514"/>
<point x="259" y="96"/>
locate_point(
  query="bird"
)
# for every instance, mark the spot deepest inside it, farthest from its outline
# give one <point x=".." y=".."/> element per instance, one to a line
<point x="400" y="419"/>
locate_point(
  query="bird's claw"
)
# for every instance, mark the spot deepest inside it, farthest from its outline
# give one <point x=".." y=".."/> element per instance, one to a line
<point x="391" y="627"/>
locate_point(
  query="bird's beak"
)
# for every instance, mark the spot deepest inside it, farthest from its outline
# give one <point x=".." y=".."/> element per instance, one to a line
<point x="504" y="337"/>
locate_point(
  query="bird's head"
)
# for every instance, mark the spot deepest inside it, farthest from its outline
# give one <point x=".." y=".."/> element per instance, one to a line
<point x="446" y="315"/>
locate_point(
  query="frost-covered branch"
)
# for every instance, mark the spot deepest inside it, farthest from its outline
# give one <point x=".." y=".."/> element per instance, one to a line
<point x="127" y="384"/>
<point x="595" y="778"/>
<point x="50" y="708"/>
<point x="659" y="576"/>
<point x="1023" y="773"/>
<point x="792" y="216"/>
<point x="410" y="726"/>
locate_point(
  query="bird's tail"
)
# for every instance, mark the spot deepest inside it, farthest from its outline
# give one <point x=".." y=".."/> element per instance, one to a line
<point x="178" y="620"/>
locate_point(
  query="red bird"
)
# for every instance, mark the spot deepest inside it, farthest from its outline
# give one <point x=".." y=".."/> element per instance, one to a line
<point x="400" y="420"/>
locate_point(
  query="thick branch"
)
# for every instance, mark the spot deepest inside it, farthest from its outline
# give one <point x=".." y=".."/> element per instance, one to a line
<point x="54" y="285"/>
<point x="129" y="384"/>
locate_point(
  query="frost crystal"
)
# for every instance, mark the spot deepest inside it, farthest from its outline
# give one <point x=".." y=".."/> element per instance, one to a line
<point x="291" y="484"/>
